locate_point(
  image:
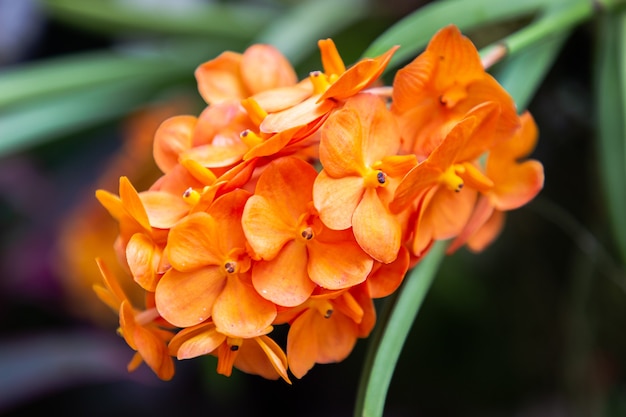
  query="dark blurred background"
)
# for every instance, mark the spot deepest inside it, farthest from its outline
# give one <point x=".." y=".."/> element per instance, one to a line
<point x="532" y="327"/>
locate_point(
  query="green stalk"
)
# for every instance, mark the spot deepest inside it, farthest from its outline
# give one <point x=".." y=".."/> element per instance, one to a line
<point x="391" y="331"/>
<point x="554" y="21"/>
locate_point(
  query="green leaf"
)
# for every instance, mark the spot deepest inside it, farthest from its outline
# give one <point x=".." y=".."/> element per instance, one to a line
<point x="239" y="21"/>
<point x="46" y="120"/>
<point x="522" y="74"/>
<point x="169" y="62"/>
<point x="36" y="80"/>
<point x="297" y="31"/>
<point x="610" y="88"/>
<point x="391" y="331"/>
<point x="415" y="30"/>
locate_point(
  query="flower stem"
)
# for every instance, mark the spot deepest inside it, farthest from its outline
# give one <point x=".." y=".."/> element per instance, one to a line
<point x="391" y="331"/>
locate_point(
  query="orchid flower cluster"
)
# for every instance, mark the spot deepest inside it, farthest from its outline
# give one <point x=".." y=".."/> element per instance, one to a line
<point x="298" y="202"/>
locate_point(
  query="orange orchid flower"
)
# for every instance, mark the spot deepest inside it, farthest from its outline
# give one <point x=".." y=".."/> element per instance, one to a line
<point x="210" y="273"/>
<point x="325" y="328"/>
<point x="233" y="76"/>
<point x="358" y="155"/>
<point x="330" y="87"/>
<point x="142" y="330"/>
<point x="436" y="90"/>
<point x="296" y="250"/>
<point x="144" y="220"/>
<point x="258" y="355"/>
<point x="515" y="184"/>
<point x="443" y="188"/>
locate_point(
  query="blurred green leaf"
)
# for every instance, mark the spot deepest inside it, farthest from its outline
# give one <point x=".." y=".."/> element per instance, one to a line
<point x="415" y="30"/>
<point x="45" y="99"/>
<point x="33" y="123"/>
<point x="391" y="331"/>
<point x="241" y="21"/>
<point x="37" y="80"/>
<point x="610" y="99"/>
<point x="522" y="74"/>
<point x="297" y="31"/>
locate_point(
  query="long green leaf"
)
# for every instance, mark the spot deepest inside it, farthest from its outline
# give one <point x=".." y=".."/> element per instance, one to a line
<point x="522" y="74"/>
<point x="39" y="79"/>
<point x="24" y="126"/>
<point x="391" y="331"/>
<point x="414" y="31"/>
<point x="240" y="21"/>
<point x="610" y="88"/>
<point x="297" y="31"/>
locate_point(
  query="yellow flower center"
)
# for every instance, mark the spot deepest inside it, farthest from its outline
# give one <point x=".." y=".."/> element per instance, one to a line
<point x="191" y="196"/>
<point x="320" y="82"/>
<point x="254" y="110"/>
<point x="451" y="179"/>
<point x="325" y="308"/>
<point x="250" y="138"/>
<point x="375" y="178"/>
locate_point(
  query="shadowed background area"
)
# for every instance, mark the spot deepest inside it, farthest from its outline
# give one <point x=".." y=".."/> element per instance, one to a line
<point x="531" y="327"/>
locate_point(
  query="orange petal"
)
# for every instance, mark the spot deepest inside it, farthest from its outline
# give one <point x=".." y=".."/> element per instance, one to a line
<point x="150" y="346"/>
<point x="302" y="343"/>
<point x="416" y="182"/>
<point x="315" y="339"/>
<point x="331" y="60"/>
<point x="360" y="76"/>
<point x="481" y="213"/>
<point x="187" y="298"/>
<point x="163" y="209"/>
<point x="336" y="199"/>
<point x="172" y="137"/>
<point x="341" y="151"/>
<point x="220" y="123"/>
<point x="337" y="264"/>
<point x="263" y="67"/>
<point x="196" y="341"/>
<point x="262" y="356"/>
<point x="281" y="98"/>
<point x="487" y="233"/>
<point x="376" y="230"/>
<point x="220" y="79"/>
<point x="216" y="156"/>
<point x="289" y="193"/>
<point x="193" y="243"/>
<point x="379" y="136"/>
<point x="112" y="203"/>
<point x="386" y="278"/>
<point x="270" y="146"/>
<point x="459" y="60"/>
<point x="271" y="217"/>
<point x="409" y="85"/>
<point x="299" y="115"/>
<point x="132" y="203"/>
<point x="447" y="213"/>
<point x="523" y="183"/>
<point x="361" y="296"/>
<point x="113" y="295"/>
<point x="143" y="259"/>
<point x="240" y="311"/>
<point x="284" y="279"/>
